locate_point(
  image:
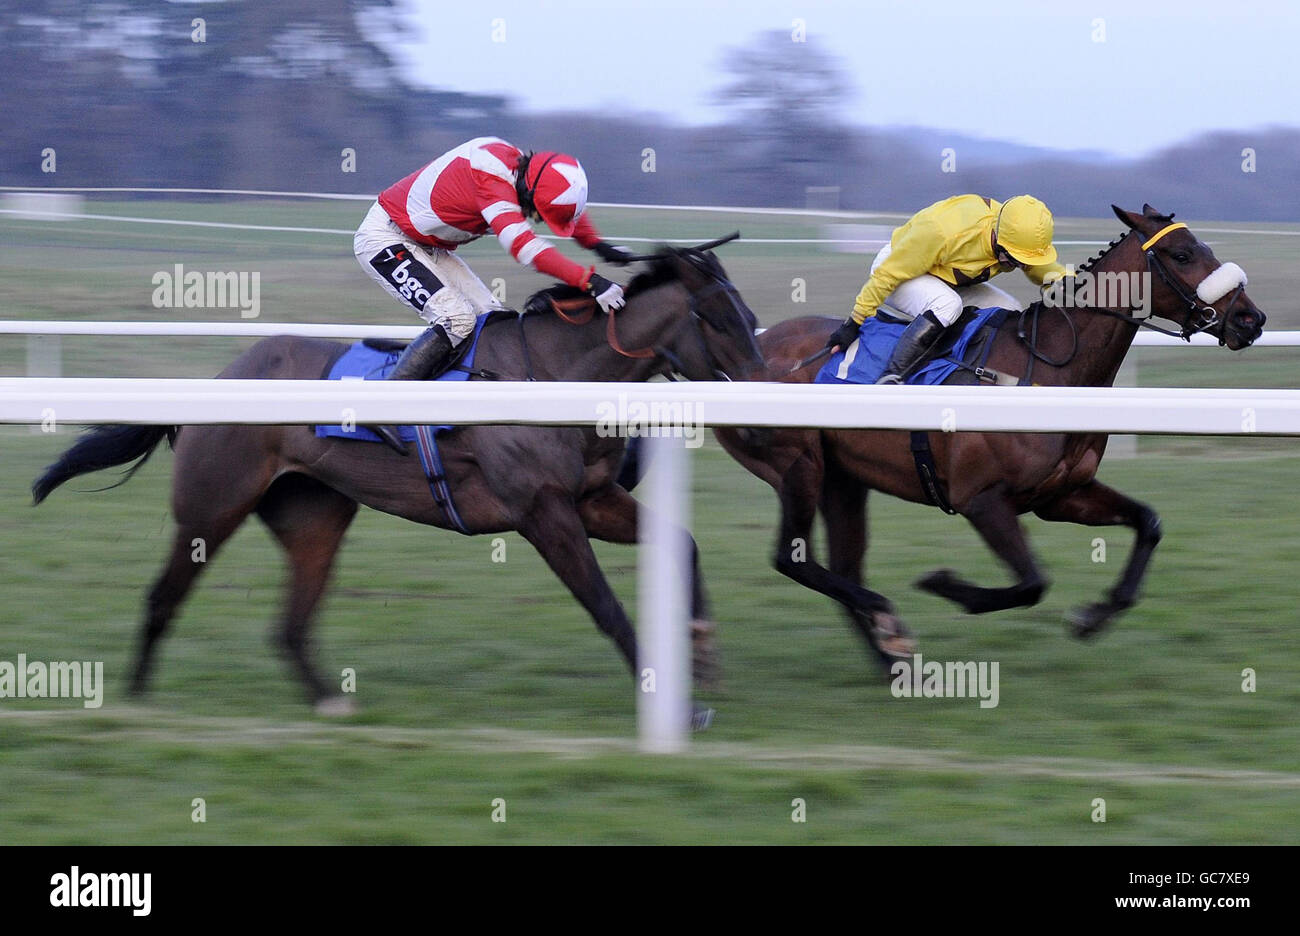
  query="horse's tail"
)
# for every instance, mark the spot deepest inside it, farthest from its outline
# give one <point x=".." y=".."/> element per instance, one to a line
<point x="103" y="447"/>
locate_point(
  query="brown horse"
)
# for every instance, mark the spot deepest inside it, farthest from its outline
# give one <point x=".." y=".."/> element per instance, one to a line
<point x="555" y="486"/>
<point x="990" y="478"/>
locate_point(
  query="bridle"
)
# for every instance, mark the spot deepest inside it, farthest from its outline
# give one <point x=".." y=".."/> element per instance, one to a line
<point x="698" y="319"/>
<point x="1201" y="315"/>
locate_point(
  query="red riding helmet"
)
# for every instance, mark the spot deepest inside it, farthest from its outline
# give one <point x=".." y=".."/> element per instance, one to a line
<point x="558" y="189"/>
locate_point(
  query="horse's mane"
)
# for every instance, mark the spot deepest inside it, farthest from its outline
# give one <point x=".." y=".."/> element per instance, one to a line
<point x="1093" y="261"/>
<point x="1088" y="264"/>
<point x="661" y="271"/>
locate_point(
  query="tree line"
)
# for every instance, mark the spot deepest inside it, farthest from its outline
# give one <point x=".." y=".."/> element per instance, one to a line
<point x="294" y="95"/>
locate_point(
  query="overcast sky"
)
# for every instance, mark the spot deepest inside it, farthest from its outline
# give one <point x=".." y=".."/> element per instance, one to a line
<point x="1024" y="71"/>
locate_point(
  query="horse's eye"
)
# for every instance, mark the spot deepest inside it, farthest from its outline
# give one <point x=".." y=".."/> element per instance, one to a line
<point x="1182" y="257"/>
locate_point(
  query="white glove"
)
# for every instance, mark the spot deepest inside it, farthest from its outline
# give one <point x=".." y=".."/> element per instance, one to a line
<point x="608" y="294"/>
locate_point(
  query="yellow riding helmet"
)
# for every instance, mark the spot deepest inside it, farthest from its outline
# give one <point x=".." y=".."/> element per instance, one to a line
<point x="1024" y="229"/>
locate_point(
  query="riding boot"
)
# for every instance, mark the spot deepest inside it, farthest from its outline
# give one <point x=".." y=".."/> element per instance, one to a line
<point x="421" y="359"/>
<point x="921" y="334"/>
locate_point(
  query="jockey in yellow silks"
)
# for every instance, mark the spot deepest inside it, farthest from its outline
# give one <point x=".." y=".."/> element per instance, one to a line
<point x="939" y="262"/>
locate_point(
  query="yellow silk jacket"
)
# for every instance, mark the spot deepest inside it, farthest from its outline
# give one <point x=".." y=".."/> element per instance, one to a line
<point x="953" y="240"/>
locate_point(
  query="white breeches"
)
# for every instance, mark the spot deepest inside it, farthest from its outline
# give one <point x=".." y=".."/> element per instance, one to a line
<point x="928" y="293"/>
<point x="441" y="288"/>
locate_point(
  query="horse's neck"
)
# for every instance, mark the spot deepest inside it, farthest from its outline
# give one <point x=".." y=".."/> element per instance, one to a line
<point x="583" y="353"/>
<point x="560" y="350"/>
<point x="1103" y="340"/>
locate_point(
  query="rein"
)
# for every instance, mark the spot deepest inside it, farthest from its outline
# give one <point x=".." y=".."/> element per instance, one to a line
<point x="562" y="307"/>
<point x="581" y="310"/>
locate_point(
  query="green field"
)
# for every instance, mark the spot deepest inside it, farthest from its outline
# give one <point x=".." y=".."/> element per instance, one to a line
<point x="479" y="680"/>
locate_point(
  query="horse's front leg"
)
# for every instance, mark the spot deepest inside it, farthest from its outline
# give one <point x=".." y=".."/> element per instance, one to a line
<point x="557" y="533"/>
<point x="844" y="510"/>
<point x="804" y="485"/>
<point x="556" y="530"/>
<point x="1095" y="504"/>
<point x="611" y="515"/>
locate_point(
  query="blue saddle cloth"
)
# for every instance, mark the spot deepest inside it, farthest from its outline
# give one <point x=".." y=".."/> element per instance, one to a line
<point x="864" y="361"/>
<point x="366" y="363"/>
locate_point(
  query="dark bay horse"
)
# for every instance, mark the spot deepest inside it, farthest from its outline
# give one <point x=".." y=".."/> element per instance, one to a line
<point x="990" y="478"/>
<point x="555" y="486"/>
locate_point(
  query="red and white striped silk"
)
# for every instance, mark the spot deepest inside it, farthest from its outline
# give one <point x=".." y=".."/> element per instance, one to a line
<point x="470" y="190"/>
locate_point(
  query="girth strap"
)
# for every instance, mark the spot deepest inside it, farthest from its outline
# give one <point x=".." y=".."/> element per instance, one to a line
<point x="431" y="462"/>
<point x="928" y="473"/>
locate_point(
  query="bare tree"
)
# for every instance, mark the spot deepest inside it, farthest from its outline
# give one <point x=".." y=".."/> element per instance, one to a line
<point x="785" y="99"/>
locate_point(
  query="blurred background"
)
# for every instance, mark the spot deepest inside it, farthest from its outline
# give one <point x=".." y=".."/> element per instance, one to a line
<point x="742" y="104"/>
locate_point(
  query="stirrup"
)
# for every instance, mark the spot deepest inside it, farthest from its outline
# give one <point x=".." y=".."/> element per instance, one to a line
<point x="889" y="379"/>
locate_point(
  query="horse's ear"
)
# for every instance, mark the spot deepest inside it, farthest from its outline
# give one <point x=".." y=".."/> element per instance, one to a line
<point x="1156" y="216"/>
<point x="1129" y="219"/>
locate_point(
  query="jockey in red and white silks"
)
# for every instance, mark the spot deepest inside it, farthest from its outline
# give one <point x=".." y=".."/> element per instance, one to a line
<point x="408" y="239"/>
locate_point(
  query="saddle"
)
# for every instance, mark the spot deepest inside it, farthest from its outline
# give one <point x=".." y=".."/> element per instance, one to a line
<point x="975" y="352"/>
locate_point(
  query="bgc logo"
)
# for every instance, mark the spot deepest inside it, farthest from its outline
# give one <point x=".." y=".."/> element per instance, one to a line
<point x="414" y="284"/>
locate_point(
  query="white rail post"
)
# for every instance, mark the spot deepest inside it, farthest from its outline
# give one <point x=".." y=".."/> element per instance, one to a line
<point x="44" y="359"/>
<point x="663" y="592"/>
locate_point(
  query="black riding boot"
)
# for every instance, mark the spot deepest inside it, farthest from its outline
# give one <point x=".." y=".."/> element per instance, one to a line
<point x="918" y="338"/>
<point x="421" y="359"/>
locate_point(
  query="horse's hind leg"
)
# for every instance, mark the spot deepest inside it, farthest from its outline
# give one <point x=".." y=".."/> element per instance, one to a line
<point x="611" y="515"/>
<point x="1095" y="504"/>
<point x="192" y="547"/>
<point x="994" y="516"/>
<point x="844" y="510"/>
<point x="210" y="499"/>
<point x="309" y="520"/>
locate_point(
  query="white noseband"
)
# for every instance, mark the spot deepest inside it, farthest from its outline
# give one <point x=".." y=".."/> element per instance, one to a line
<point x="1222" y="281"/>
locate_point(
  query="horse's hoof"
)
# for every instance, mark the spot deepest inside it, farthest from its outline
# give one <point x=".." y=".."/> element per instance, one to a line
<point x="335" y="706"/>
<point x="939" y="582"/>
<point x="894" y="640"/>
<point x="1090" y="620"/>
<point x="702" y="718"/>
